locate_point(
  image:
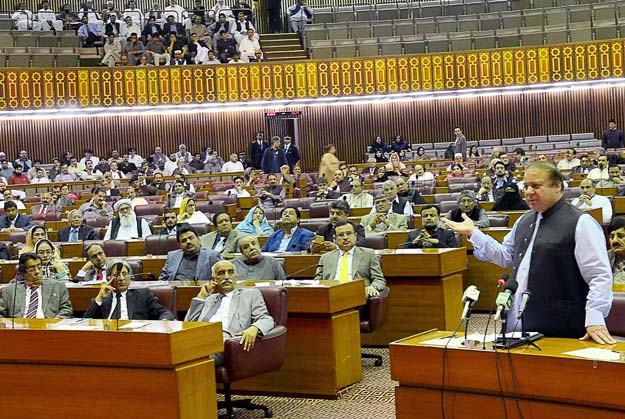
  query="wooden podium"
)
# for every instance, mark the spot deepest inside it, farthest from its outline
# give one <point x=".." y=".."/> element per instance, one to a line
<point x="54" y="369"/>
<point x="548" y="383"/>
<point x="323" y="352"/>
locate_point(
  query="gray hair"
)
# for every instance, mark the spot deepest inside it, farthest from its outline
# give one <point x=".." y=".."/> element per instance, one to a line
<point x="119" y="263"/>
<point x="223" y="261"/>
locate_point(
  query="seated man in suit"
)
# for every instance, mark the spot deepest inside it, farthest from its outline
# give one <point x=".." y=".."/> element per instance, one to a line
<point x="271" y="195"/>
<point x="383" y="219"/>
<point x="12" y="220"/>
<point x="350" y="262"/>
<point x="290" y="238"/>
<point x="339" y="211"/>
<point x="77" y="229"/>
<point x="45" y="206"/>
<point x="224" y="239"/>
<point x="97" y="207"/>
<point x="253" y="265"/>
<point x="191" y="261"/>
<point x="32" y="297"/>
<point x="94" y="269"/>
<point x="136" y="303"/>
<point x="324" y="192"/>
<point x="431" y="235"/>
<point x="241" y="311"/>
<point x="170" y="221"/>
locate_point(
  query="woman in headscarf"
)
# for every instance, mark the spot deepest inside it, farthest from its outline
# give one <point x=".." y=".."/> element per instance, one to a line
<point x="52" y="269"/>
<point x="394" y="166"/>
<point x="255" y="223"/>
<point x="188" y="214"/>
<point x="379" y="157"/>
<point x="510" y="200"/>
<point x="381" y="175"/>
<point x="33" y="235"/>
<point x="467" y="204"/>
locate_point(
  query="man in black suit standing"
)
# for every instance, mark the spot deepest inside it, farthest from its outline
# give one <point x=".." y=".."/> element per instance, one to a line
<point x="77" y="229"/>
<point x="134" y="304"/>
<point x="431" y="235"/>
<point x="257" y="149"/>
<point x="291" y="152"/>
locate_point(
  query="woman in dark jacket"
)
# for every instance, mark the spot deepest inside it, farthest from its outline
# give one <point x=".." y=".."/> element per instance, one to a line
<point x="510" y="200"/>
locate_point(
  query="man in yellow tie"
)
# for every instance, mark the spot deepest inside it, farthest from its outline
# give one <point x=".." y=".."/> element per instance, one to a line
<point x="350" y="262"/>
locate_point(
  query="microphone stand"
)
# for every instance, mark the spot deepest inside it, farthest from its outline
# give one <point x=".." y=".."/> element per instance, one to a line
<point x="316" y="265"/>
<point x="525" y="337"/>
<point x="466" y="323"/>
<point x="118" y="310"/>
<point x="14" y="302"/>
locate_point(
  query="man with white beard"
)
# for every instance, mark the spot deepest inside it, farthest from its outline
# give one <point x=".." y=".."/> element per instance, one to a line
<point x="126" y="225"/>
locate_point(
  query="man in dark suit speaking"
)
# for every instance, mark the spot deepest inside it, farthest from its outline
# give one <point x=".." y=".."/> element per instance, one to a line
<point x="136" y="304"/>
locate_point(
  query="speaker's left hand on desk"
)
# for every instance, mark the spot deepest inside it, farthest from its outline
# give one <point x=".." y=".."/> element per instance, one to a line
<point x="599" y="334"/>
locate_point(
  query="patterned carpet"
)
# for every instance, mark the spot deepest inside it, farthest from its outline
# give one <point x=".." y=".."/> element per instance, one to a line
<point x="373" y="397"/>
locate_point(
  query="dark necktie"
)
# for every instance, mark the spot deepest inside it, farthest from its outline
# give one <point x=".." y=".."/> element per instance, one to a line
<point x="33" y="304"/>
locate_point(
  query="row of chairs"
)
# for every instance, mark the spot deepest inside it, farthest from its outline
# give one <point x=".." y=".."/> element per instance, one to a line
<point x="38" y="39"/>
<point x="39" y="59"/>
<point x="461" y="41"/>
<point x="600" y="15"/>
<point x="430" y="9"/>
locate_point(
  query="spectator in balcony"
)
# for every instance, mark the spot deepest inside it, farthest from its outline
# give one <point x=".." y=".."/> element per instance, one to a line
<point x="47" y="18"/>
<point x="199" y="28"/>
<point x="241" y="28"/>
<point x="18" y="177"/>
<point x="249" y="47"/>
<point x="114" y="27"/>
<point x="151" y="30"/>
<point x="67" y="17"/>
<point x="23" y="19"/>
<point x="176" y="11"/>
<point x="242" y="6"/>
<point x="198" y="50"/>
<point x="226" y="47"/>
<point x="236" y="59"/>
<point x="88" y="32"/>
<point x="112" y="51"/>
<point x="133" y="12"/>
<point x="178" y="58"/>
<point x="174" y="43"/>
<point x="172" y="27"/>
<point x="157" y="13"/>
<point x="134" y="49"/>
<point x="221" y="24"/>
<point x="299" y="15"/>
<point x="188" y="214"/>
<point x="273" y="13"/>
<point x="212" y="59"/>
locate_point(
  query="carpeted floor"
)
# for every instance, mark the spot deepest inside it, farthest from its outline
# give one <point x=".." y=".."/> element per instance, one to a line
<point x="373" y="397"/>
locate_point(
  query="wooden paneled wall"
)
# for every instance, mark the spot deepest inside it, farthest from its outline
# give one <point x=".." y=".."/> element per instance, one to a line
<point x="350" y="127"/>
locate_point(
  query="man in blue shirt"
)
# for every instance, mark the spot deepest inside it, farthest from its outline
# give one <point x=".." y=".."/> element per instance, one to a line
<point x="88" y="32"/>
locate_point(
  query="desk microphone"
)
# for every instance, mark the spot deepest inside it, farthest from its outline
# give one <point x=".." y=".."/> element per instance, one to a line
<point x="469" y="298"/>
<point x="525" y="297"/>
<point x="292" y="274"/>
<point x="504" y="299"/>
<point x="500" y="283"/>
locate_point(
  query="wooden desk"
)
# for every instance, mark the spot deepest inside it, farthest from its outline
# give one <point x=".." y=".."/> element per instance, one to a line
<point x="323" y="349"/>
<point x="160" y="370"/>
<point x="549" y="384"/>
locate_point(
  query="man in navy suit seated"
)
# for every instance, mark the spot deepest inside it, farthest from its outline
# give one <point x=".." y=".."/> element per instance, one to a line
<point x="77" y="229"/>
<point x="135" y="304"/>
<point x="290" y="238"/>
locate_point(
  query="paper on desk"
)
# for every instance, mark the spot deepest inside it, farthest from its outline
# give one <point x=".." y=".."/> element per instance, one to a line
<point x="458" y="342"/>
<point x="596" y="354"/>
<point x="133" y="325"/>
<point x="92" y="282"/>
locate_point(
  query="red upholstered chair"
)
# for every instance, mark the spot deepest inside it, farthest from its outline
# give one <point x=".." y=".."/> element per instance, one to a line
<point x="17" y="236"/>
<point x="498" y="220"/>
<point x="616" y="319"/>
<point x="115" y="248"/>
<point x="160" y="244"/>
<point x="374" y="316"/>
<point x="267" y="355"/>
<point x="319" y="210"/>
<point x="167" y="297"/>
<point x="152" y="209"/>
<point x="376" y="241"/>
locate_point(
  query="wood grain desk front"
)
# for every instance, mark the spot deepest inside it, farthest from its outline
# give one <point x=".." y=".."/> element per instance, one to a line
<point x="90" y="370"/>
<point x="323" y="345"/>
<point x="548" y="383"/>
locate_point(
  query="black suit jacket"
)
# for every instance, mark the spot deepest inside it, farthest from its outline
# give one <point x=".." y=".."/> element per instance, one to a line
<point x="446" y="239"/>
<point x="85" y="232"/>
<point x="256" y="153"/>
<point x="327" y="231"/>
<point x="292" y="156"/>
<point x="142" y="305"/>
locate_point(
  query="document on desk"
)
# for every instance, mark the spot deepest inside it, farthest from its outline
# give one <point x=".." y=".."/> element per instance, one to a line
<point x="73" y="324"/>
<point x="134" y="325"/>
<point x="458" y="342"/>
<point x="596" y="354"/>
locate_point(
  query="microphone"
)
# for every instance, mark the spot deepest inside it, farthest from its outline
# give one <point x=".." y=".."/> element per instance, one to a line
<point x="502" y="280"/>
<point x="292" y="274"/>
<point x="525" y="297"/>
<point x="504" y="299"/>
<point x="18" y="280"/>
<point x="469" y="298"/>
